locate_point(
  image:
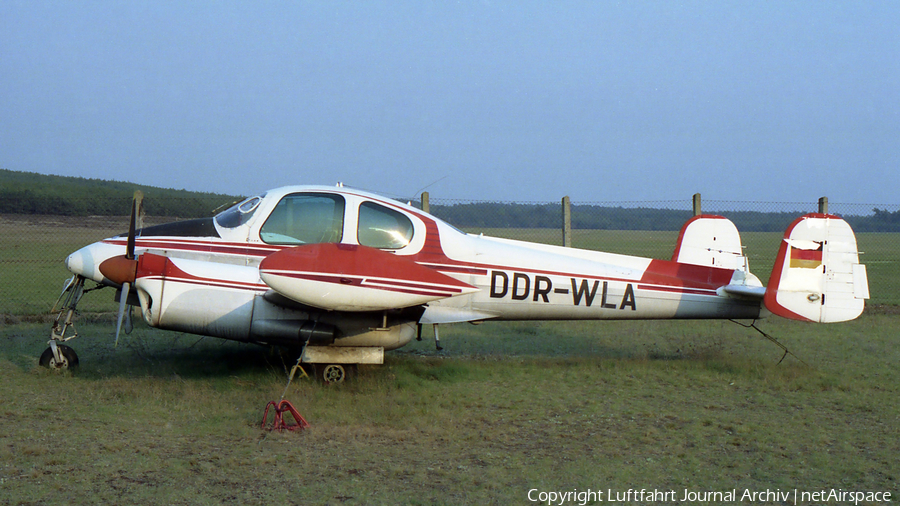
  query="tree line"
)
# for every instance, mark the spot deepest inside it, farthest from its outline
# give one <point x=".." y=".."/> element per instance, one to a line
<point x="29" y="193"/>
<point x="593" y="217"/>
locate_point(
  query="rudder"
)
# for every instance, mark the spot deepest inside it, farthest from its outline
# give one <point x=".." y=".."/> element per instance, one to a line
<point x="817" y="275"/>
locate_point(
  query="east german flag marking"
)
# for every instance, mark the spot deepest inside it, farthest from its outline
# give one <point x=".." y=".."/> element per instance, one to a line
<point x="806" y="258"/>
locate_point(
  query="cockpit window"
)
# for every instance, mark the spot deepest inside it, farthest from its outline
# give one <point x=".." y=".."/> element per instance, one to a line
<point x="239" y="213"/>
<point x="305" y="218"/>
<point x="384" y="228"/>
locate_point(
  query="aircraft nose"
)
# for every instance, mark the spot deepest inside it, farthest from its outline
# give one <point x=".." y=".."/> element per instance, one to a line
<point x="86" y="261"/>
<point x="79" y="261"/>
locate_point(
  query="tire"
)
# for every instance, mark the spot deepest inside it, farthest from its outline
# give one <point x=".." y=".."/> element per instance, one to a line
<point x="335" y="373"/>
<point x="69" y="359"/>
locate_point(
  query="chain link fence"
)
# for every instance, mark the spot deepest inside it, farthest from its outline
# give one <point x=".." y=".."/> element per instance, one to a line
<point x="33" y="246"/>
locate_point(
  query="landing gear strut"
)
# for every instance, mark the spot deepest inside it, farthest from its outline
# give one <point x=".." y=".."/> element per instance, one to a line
<point x="60" y="357"/>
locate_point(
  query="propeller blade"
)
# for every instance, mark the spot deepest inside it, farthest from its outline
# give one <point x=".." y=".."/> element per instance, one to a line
<point x="136" y="208"/>
<point x="129" y="324"/>
<point x="136" y="221"/>
<point x="139" y="209"/>
<point x="123" y="299"/>
<point x="129" y="250"/>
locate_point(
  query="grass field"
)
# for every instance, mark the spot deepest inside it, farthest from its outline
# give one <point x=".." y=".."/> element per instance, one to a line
<point x="506" y="408"/>
<point x="170" y="418"/>
<point x="32" y="252"/>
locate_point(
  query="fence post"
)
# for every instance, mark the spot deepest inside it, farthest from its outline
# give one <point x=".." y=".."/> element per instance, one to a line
<point x="566" y="222"/>
<point x="697" y="209"/>
<point x="823" y="205"/>
<point x="425" y="205"/>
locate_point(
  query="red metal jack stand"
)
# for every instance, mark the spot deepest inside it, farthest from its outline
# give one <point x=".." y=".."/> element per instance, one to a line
<point x="279" y="423"/>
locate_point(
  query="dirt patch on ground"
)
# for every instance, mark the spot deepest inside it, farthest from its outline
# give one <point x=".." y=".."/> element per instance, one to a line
<point x="885" y="309"/>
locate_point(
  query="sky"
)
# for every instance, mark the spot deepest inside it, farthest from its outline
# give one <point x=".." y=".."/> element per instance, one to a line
<point x="484" y="100"/>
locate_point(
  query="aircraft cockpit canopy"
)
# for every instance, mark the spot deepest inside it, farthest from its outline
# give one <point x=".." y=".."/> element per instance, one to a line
<point x="313" y="217"/>
<point x="239" y="213"/>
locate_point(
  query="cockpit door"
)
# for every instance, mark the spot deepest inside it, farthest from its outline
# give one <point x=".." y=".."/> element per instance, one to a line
<point x="305" y="218"/>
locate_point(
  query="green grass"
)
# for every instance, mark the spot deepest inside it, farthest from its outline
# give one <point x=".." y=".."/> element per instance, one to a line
<point x="169" y="418"/>
<point x="33" y="250"/>
<point x="165" y="419"/>
<point x="881" y="255"/>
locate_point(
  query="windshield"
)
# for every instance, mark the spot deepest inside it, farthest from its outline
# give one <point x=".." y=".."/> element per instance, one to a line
<point x="239" y="213"/>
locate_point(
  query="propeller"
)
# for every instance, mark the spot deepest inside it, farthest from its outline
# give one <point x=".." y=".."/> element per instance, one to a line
<point x="129" y="264"/>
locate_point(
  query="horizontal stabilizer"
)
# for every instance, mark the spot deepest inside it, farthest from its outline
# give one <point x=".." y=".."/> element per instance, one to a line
<point x="746" y="291"/>
<point x="817" y="275"/>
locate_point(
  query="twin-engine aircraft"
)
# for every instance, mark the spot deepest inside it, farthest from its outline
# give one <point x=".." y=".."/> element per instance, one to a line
<point x="345" y="275"/>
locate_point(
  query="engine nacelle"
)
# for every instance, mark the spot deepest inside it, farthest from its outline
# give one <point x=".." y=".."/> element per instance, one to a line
<point x="345" y="330"/>
<point x="293" y="332"/>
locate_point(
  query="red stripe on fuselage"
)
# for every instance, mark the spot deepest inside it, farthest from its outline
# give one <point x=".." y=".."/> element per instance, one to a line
<point x="685" y="278"/>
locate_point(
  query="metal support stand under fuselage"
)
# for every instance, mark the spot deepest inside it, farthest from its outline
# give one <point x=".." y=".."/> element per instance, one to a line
<point x="437" y="338"/>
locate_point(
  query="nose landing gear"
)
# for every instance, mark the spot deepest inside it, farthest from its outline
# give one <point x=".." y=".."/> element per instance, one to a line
<point x="59" y="357"/>
<point x="63" y="359"/>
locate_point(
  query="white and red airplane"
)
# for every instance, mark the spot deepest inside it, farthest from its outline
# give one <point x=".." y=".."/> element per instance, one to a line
<point x="345" y="275"/>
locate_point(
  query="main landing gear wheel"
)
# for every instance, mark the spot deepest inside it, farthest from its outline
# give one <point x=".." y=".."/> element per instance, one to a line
<point x="69" y="359"/>
<point x="335" y="373"/>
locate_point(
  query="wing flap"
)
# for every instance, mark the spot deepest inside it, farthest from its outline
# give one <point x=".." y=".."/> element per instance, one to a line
<point x="439" y="314"/>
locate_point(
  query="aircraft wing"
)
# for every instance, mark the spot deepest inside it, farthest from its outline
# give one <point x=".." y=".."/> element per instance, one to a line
<point x="350" y="277"/>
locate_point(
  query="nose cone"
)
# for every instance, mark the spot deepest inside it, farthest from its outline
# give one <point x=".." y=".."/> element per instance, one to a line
<point x="82" y="262"/>
<point x="86" y="261"/>
<point x="119" y="269"/>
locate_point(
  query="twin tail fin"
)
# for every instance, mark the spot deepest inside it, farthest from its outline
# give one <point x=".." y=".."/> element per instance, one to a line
<point x="817" y="275"/>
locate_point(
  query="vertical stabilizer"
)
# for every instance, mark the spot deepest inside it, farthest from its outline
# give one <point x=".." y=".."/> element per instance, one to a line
<point x="710" y="241"/>
<point x="817" y="275"/>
